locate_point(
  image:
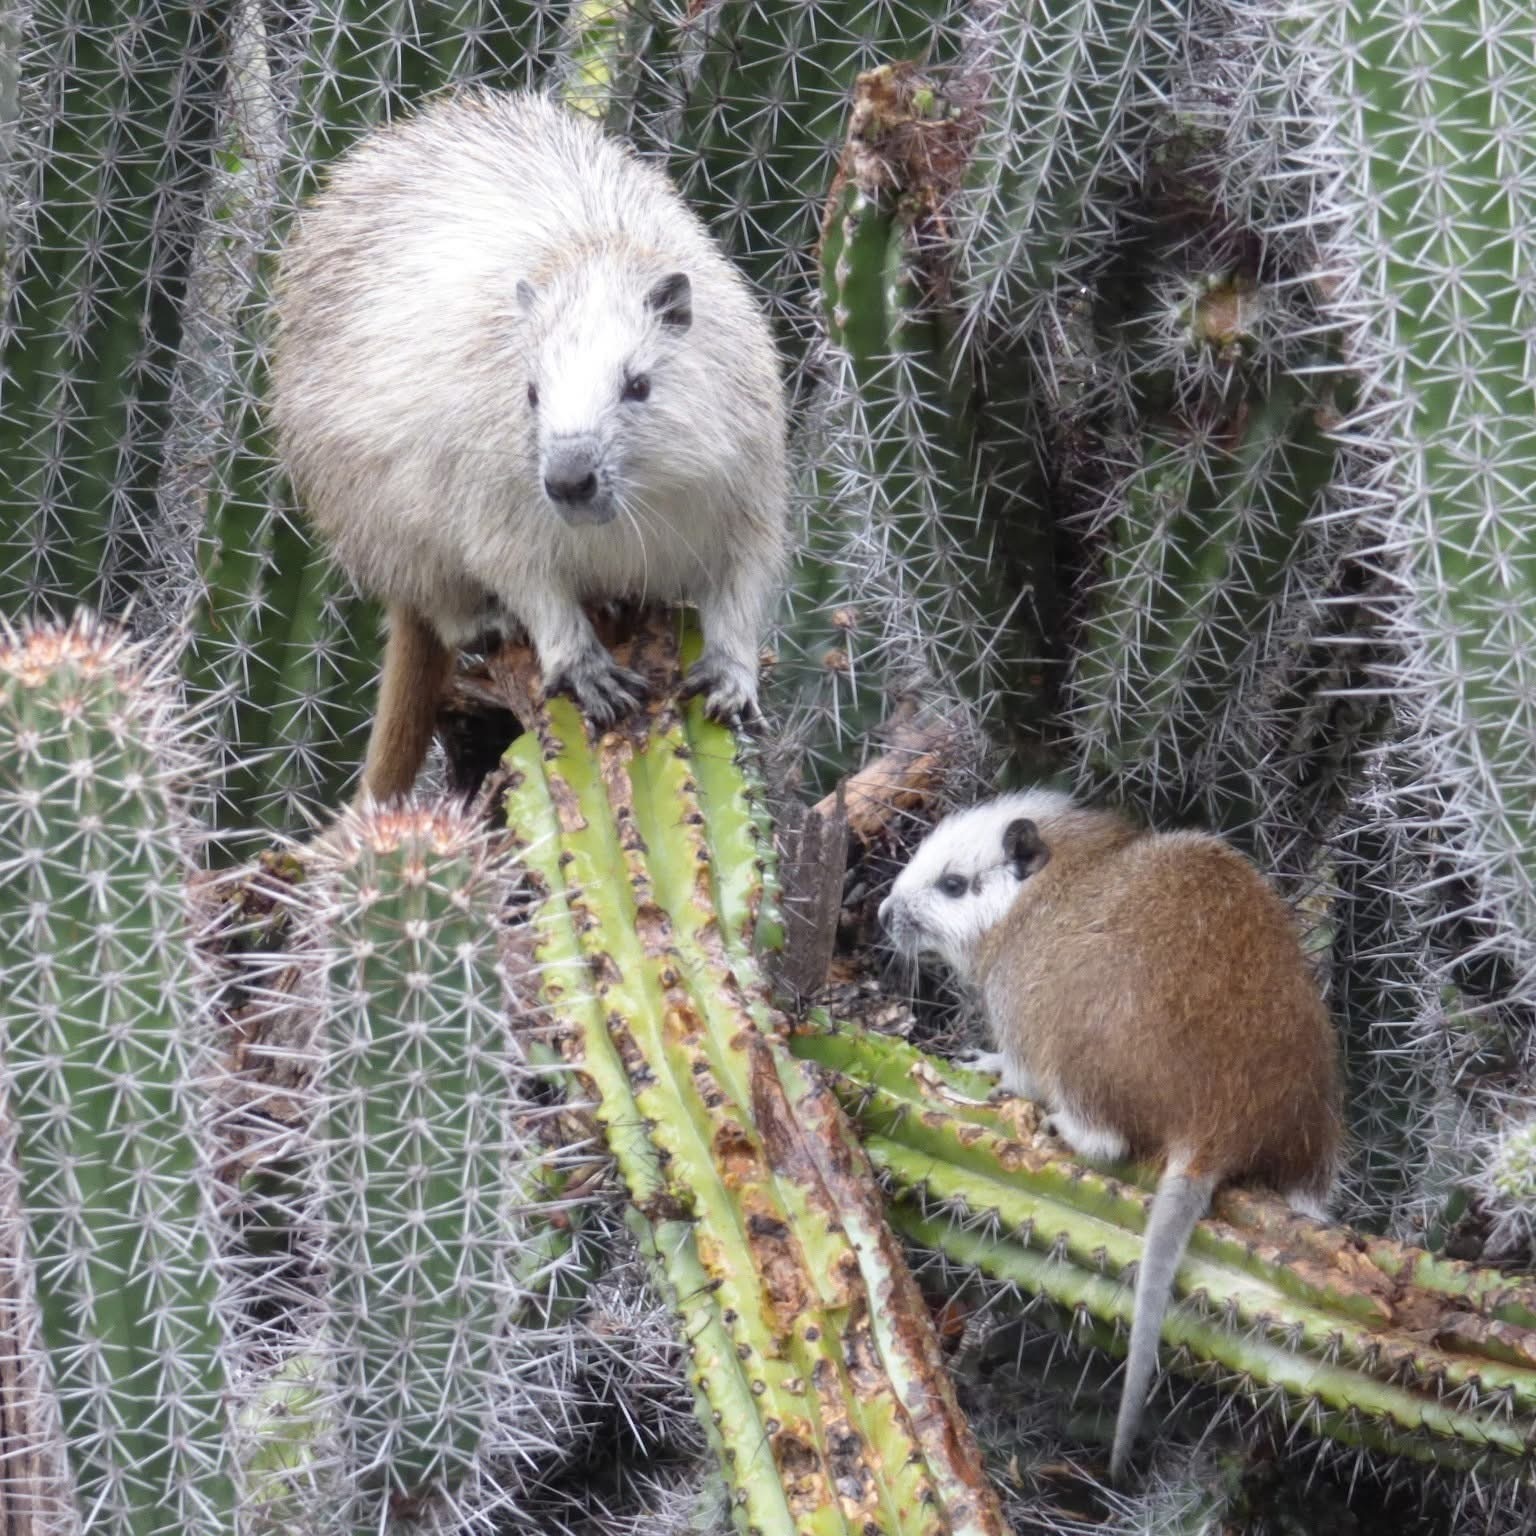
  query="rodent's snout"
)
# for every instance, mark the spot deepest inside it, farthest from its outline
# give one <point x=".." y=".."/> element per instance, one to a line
<point x="572" y="483"/>
<point x="902" y="925"/>
<point x="571" y="491"/>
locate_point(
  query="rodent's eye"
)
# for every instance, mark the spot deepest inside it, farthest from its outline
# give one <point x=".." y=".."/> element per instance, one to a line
<point x="637" y="387"/>
<point x="954" y="885"/>
<point x="533" y="397"/>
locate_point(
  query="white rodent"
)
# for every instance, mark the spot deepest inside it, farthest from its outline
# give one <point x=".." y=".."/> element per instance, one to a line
<point x="512" y="371"/>
<point x="1151" y="990"/>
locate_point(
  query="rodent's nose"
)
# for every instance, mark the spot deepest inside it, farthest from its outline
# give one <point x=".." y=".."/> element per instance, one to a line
<point x="569" y="490"/>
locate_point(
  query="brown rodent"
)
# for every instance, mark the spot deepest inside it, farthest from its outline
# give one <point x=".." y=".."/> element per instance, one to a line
<point x="1151" y="990"/>
<point x="513" y="372"/>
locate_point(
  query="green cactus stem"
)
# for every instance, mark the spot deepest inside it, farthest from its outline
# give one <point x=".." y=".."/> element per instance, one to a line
<point x="1359" y="1339"/>
<point x="1432" y="253"/>
<point x="826" y="1349"/>
<point x="1062" y="86"/>
<point x="760" y="117"/>
<point x="1207" y="533"/>
<point x="956" y="562"/>
<point x="113" y="127"/>
<point x="604" y="45"/>
<point x="417" y="1133"/>
<point x="105" y="1054"/>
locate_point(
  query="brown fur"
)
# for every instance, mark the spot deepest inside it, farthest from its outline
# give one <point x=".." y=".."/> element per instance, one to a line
<point x="416" y="666"/>
<point x="1154" y="984"/>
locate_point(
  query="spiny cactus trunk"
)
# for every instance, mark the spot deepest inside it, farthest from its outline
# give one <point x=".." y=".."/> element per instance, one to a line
<point x="1435" y="164"/>
<point x="806" y="1333"/>
<point x="106" y="1053"/>
<point x="437" y="1359"/>
<point x="105" y="141"/>
<point x="940" y="525"/>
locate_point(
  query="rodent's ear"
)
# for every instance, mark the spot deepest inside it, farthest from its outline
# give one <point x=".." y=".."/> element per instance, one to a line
<point x="672" y="300"/>
<point x="527" y="295"/>
<point x="1024" y="848"/>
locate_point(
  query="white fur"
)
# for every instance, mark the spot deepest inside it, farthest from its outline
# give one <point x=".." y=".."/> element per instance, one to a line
<point x="1097" y="1143"/>
<point x="922" y="920"/>
<point x="404" y="358"/>
<point x="1307" y="1202"/>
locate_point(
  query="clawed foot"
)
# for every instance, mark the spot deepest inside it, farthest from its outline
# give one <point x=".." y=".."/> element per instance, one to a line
<point x="993" y="1063"/>
<point x="729" y="688"/>
<point x="605" y="691"/>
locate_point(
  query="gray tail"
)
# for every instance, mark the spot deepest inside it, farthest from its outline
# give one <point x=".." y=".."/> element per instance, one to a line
<point x="1181" y="1200"/>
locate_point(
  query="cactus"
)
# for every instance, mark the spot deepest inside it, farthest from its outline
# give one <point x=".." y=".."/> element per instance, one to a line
<point x="110" y="134"/>
<point x="756" y="102"/>
<point x="1202" y="541"/>
<point x="921" y="522"/>
<point x="734" y="1159"/>
<point x="1064" y="83"/>
<point x="427" y="1160"/>
<point x="1508" y="1177"/>
<point x="1437" y="341"/>
<point x="105" y="1048"/>
<point x="1195" y="381"/>
<point x="1340" y="1349"/>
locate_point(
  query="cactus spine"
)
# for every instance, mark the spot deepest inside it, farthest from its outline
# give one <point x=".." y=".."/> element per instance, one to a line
<point x="105" y="1061"/>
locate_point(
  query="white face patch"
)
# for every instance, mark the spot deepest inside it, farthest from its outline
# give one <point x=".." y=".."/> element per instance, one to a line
<point x="962" y="881"/>
<point x="597" y="350"/>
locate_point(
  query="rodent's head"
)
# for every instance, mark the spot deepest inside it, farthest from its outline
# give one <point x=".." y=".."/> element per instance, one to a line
<point x="965" y="875"/>
<point x="599" y="390"/>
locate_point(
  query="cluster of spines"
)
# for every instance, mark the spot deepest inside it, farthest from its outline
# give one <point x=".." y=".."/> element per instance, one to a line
<point x="427" y="1164"/>
<point x="1507" y="1178"/>
<point x="107" y="1060"/>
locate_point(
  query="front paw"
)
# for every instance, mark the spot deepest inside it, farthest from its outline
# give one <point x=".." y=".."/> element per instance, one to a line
<point x="605" y="691"/>
<point x="729" y="688"/>
<point x="993" y="1063"/>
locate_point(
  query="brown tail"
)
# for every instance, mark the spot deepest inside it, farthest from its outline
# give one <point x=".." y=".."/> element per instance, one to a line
<point x="416" y="665"/>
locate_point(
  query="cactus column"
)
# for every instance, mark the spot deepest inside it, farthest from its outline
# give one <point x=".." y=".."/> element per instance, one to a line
<point x="808" y="1338"/>
<point x="427" y="1160"/>
<point x="1436" y="174"/>
<point x="102" y="1051"/>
